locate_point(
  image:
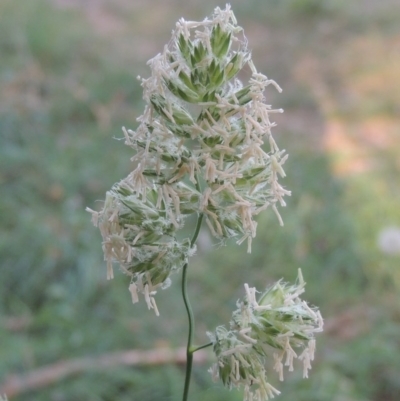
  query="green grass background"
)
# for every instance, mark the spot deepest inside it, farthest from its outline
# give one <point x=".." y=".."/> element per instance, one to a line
<point x="68" y="83"/>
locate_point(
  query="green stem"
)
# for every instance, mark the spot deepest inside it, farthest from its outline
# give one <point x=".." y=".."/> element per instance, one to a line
<point x="195" y="349"/>
<point x="189" y="354"/>
<point x="189" y="350"/>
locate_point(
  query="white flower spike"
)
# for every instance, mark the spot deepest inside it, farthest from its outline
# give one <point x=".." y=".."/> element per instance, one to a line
<point x="197" y="149"/>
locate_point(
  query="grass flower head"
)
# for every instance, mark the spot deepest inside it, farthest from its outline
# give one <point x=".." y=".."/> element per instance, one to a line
<point x="277" y="327"/>
<point x="198" y="149"/>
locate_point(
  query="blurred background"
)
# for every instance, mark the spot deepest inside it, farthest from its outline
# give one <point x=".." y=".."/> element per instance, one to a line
<point x="68" y="83"/>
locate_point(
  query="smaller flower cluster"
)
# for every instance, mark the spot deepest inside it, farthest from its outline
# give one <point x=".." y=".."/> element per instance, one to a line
<point x="274" y="326"/>
<point x="142" y="238"/>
